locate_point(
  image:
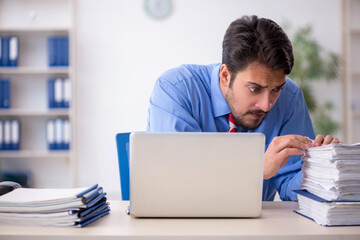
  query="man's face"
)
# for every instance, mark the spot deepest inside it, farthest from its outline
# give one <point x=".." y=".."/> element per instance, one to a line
<point x="253" y="92"/>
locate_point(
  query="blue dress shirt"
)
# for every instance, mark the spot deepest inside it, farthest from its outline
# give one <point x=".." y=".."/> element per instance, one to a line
<point x="188" y="99"/>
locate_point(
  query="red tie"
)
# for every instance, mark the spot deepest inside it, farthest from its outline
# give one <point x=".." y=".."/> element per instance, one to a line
<point x="232" y="124"/>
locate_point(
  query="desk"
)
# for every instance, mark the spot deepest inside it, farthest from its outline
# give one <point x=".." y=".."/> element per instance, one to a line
<point x="277" y="221"/>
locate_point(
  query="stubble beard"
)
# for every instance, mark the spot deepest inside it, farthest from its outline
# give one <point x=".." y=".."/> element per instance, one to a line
<point x="241" y="118"/>
<point x="255" y="123"/>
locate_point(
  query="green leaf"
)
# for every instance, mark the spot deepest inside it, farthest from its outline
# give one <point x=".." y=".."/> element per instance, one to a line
<point x="313" y="63"/>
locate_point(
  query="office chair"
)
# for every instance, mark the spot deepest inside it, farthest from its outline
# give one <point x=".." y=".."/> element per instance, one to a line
<point x="122" y="143"/>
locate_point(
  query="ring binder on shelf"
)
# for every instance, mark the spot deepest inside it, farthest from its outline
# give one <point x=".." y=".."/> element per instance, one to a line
<point x="9" y="51"/>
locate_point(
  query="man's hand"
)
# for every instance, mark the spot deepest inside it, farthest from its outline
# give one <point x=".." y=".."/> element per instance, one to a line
<point x="321" y="140"/>
<point x="280" y="149"/>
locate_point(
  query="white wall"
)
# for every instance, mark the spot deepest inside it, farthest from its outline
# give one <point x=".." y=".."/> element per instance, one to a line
<point x="121" y="52"/>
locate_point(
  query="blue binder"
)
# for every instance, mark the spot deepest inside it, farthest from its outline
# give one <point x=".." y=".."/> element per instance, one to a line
<point x="51" y="97"/>
<point x="5" y="93"/>
<point x="1" y="52"/>
<point x="1" y="135"/>
<point x="312" y="196"/>
<point x="67" y="137"/>
<point x="1" y="94"/>
<point x="52" y="51"/>
<point x="59" y="93"/>
<point x="5" y="51"/>
<point x="65" y="51"/>
<point x="58" y="51"/>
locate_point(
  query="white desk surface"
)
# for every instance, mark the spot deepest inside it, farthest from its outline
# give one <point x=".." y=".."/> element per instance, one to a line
<point x="277" y="221"/>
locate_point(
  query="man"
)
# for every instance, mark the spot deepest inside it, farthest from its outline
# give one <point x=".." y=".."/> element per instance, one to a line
<point x="251" y="88"/>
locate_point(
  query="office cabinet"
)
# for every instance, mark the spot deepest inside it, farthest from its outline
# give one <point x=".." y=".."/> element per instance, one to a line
<point x="351" y="70"/>
<point x="34" y="22"/>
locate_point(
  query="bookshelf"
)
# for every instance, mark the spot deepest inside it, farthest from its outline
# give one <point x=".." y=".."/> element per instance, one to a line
<point x="351" y="70"/>
<point x="33" y="22"/>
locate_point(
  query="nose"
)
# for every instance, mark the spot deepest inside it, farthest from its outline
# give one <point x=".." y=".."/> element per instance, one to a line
<point x="265" y="102"/>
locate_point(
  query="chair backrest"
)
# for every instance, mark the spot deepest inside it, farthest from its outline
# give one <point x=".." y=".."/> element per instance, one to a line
<point x="122" y="143"/>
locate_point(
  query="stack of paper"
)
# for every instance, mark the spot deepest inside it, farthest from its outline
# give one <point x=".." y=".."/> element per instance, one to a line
<point x="328" y="213"/>
<point x="333" y="172"/>
<point x="53" y="207"/>
<point x="331" y="184"/>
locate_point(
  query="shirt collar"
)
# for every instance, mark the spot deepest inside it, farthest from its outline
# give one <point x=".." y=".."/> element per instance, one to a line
<point x="219" y="104"/>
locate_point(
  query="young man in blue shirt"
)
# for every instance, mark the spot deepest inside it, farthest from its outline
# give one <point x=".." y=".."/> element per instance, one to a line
<point x="250" y="84"/>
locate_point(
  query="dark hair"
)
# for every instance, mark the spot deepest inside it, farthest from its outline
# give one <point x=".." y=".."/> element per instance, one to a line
<point x="250" y="39"/>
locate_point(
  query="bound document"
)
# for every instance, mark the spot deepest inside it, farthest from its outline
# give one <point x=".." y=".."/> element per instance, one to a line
<point x="330" y="192"/>
<point x="56" y="207"/>
<point x="328" y="213"/>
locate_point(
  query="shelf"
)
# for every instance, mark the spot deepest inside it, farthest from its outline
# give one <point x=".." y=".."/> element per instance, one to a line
<point x="351" y="45"/>
<point x="34" y="21"/>
<point x="34" y="112"/>
<point x="34" y="154"/>
<point x="34" y="70"/>
<point x="34" y="31"/>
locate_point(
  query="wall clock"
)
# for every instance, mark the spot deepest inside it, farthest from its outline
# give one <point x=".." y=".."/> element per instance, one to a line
<point x="158" y="9"/>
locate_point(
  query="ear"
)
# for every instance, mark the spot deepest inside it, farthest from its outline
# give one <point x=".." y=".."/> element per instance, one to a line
<point x="224" y="76"/>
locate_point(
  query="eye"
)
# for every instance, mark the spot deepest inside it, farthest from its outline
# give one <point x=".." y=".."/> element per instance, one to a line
<point x="278" y="89"/>
<point x="254" y="89"/>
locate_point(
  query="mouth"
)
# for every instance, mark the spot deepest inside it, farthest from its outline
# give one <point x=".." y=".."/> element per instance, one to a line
<point x="257" y="114"/>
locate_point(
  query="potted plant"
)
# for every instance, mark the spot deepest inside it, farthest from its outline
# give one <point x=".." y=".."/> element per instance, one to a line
<point x="313" y="63"/>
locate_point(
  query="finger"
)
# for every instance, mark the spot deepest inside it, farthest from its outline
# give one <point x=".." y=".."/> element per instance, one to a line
<point x="293" y="141"/>
<point x="296" y="137"/>
<point x="335" y="141"/>
<point x="291" y="151"/>
<point x="286" y="153"/>
<point x="303" y="139"/>
<point x="328" y="139"/>
<point x="319" y="140"/>
<point x="306" y="142"/>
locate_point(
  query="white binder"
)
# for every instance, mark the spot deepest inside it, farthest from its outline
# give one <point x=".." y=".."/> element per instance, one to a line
<point x="13" y="48"/>
<point x="59" y="133"/>
<point x="67" y="92"/>
<point x="58" y="92"/>
<point x="50" y="134"/>
<point x="15" y="134"/>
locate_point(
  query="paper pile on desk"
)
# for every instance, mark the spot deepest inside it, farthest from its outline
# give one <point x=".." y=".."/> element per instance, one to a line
<point x="333" y="172"/>
<point x="53" y="207"/>
<point x="331" y="185"/>
<point x="328" y="213"/>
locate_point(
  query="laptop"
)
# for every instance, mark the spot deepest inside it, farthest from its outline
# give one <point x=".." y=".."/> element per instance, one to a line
<point x="196" y="174"/>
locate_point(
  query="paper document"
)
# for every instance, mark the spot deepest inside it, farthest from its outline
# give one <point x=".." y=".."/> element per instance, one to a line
<point x="328" y="213"/>
<point x="330" y="192"/>
<point x="53" y="207"/>
<point x="333" y="171"/>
